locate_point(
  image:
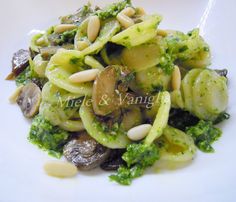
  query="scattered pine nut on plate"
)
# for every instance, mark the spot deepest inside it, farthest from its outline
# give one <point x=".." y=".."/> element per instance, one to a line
<point x="60" y="169"/>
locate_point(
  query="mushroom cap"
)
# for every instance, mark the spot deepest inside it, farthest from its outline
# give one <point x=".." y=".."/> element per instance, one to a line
<point x="85" y="152"/>
<point x="107" y="90"/>
<point x="29" y="100"/>
<point x="20" y="61"/>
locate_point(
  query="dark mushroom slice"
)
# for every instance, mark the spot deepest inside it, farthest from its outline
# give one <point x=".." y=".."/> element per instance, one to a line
<point x="108" y="89"/>
<point x="29" y="100"/>
<point x="85" y="152"/>
<point x="20" y="61"/>
<point x="114" y="161"/>
<point x="78" y="17"/>
<point x="181" y="119"/>
<point x="40" y="82"/>
<point x="222" y="72"/>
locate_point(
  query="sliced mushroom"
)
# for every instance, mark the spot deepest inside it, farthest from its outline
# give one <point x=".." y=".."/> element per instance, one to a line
<point x="20" y="61"/>
<point x="108" y="89"/>
<point x="114" y="161"/>
<point x="222" y="72"/>
<point x="78" y="17"/>
<point x="85" y="152"/>
<point x="29" y="100"/>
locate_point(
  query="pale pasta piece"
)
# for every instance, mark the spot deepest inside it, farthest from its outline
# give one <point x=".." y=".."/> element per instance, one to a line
<point x="61" y="66"/>
<point x="72" y="125"/>
<point x="138" y="33"/>
<point x="179" y="147"/>
<point x="204" y="94"/>
<point x="151" y="81"/>
<point x="55" y="95"/>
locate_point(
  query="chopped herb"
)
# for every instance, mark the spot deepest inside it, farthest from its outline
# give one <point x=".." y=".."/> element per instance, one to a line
<point x="206" y="49"/>
<point x="28" y="75"/>
<point x="112" y="10"/>
<point x="137" y="157"/>
<point x="68" y="36"/>
<point x="182" y="49"/>
<point x="75" y="60"/>
<point x="204" y="134"/>
<point x="166" y="63"/>
<point x="24" y="77"/>
<point x="47" y="137"/>
<point x="61" y="39"/>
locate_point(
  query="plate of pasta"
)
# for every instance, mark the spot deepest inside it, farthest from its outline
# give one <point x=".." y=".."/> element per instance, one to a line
<point x="130" y="99"/>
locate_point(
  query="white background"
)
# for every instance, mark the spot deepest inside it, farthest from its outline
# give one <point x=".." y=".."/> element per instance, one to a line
<point x="211" y="177"/>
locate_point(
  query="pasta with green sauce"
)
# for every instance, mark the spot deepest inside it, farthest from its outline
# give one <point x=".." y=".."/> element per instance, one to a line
<point x="106" y="87"/>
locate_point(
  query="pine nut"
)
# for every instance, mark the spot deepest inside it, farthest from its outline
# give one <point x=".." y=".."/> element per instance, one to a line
<point x="139" y="132"/>
<point x="64" y="27"/>
<point x="84" y="76"/>
<point x="140" y="11"/>
<point x="128" y="11"/>
<point x="15" y="95"/>
<point x="60" y="169"/>
<point x="93" y="28"/>
<point x="124" y="20"/>
<point x="81" y="45"/>
<point x="176" y="78"/>
<point x="162" y="32"/>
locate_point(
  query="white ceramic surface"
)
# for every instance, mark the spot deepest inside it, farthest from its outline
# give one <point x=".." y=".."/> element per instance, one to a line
<point x="211" y="177"/>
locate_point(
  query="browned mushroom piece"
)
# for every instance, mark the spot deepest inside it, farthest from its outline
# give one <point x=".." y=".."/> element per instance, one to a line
<point x="222" y="72"/>
<point x="29" y="100"/>
<point x="114" y="161"/>
<point x="85" y="152"/>
<point x="78" y="17"/>
<point x="108" y="90"/>
<point x="20" y="61"/>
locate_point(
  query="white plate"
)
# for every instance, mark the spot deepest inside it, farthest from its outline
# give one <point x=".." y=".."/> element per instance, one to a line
<point x="211" y="177"/>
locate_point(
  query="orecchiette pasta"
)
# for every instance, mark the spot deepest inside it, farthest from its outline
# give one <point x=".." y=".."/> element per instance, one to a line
<point x="204" y="94"/>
